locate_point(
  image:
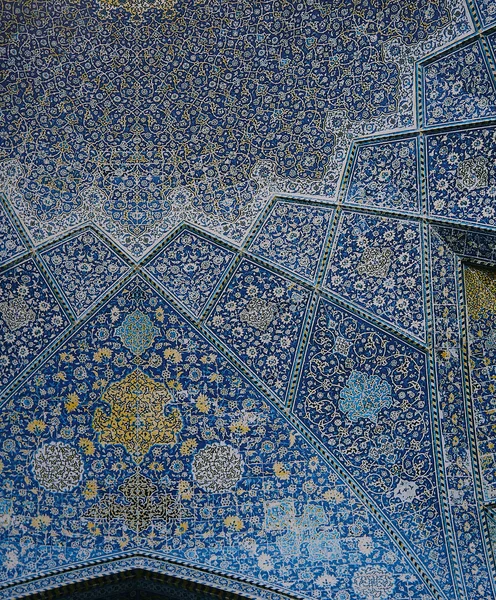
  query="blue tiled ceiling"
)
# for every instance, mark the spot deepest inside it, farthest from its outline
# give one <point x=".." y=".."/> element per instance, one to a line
<point x="247" y="305"/>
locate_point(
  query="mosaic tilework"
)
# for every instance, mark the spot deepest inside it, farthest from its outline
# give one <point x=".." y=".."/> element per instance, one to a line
<point x="470" y="244"/>
<point x="137" y="435"/>
<point x="480" y="292"/>
<point x="70" y="493"/>
<point x="385" y="174"/>
<point x="84" y="267"/>
<point x="491" y="41"/>
<point x="293" y="237"/>
<point x="121" y="568"/>
<point x="450" y="400"/>
<point x="11" y="244"/>
<point x="459" y="87"/>
<point x="259" y="317"/>
<point x="138" y="132"/>
<point x="487" y="12"/>
<point x="190" y="268"/>
<point x="462" y="175"/>
<point x="30" y="319"/>
<point x="366" y="268"/>
<point x="364" y="393"/>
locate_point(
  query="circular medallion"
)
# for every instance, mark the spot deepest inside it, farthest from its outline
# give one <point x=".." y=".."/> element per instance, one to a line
<point x="217" y="468"/>
<point x="58" y="467"/>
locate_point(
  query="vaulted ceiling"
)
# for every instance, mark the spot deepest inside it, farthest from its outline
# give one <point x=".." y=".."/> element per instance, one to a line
<point x="247" y="305"/>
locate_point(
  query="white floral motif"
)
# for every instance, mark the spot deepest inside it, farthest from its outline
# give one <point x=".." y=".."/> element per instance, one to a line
<point x="472" y="174"/>
<point x="16" y="313"/>
<point x="375" y="262"/>
<point x="259" y="313"/>
<point x="217" y="468"/>
<point x="58" y="467"/>
<point x="10" y="242"/>
<point x="373" y="583"/>
<point x="342" y="346"/>
<point x="406" y="491"/>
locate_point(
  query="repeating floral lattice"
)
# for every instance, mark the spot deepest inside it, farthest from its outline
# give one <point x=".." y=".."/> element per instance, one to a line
<point x="11" y="244"/>
<point x="293" y="236"/>
<point x="376" y="262"/>
<point x="385" y="175"/>
<point x="85" y="268"/>
<point x="462" y="175"/>
<point x="448" y="320"/>
<point x="459" y="87"/>
<point x="206" y="117"/>
<point x="259" y="317"/>
<point x="364" y="393"/>
<point x="30" y="319"/>
<point x="190" y="268"/>
<point x="283" y="497"/>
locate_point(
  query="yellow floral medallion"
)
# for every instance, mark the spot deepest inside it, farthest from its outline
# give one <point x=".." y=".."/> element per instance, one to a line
<point x="480" y="286"/>
<point x="137" y="419"/>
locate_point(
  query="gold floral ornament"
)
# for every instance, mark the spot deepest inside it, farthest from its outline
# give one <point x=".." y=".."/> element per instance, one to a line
<point x="138" y="7"/>
<point x="137" y="419"/>
<point x="480" y="287"/>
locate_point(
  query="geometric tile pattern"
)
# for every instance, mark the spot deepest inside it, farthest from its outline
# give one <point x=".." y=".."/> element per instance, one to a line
<point x="237" y="488"/>
<point x="30" y="319"/>
<point x="469" y="244"/>
<point x="293" y="236"/>
<point x="292" y="443"/>
<point x="459" y="87"/>
<point x="364" y="393"/>
<point x="385" y="175"/>
<point x="190" y="267"/>
<point x="486" y="11"/>
<point x="84" y="267"/>
<point x="138" y="140"/>
<point x="259" y="317"/>
<point x="461" y="498"/>
<point x="367" y="268"/>
<point x="461" y="175"/>
<point x="11" y="244"/>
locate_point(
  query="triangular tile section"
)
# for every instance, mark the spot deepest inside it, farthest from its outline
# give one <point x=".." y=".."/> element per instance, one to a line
<point x="84" y="268"/>
<point x="384" y="174"/>
<point x="293" y="237"/>
<point x="11" y="244"/>
<point x="165" y="447"/>
<point x="366" y="268"/>
<point x="259" y="318"/>
<point x="459" y="87"/>
<point x="190" y="268"/>
<point x="461" y="175"/>
<point x="31" y="318"/>
<point x="365" y="395"/>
